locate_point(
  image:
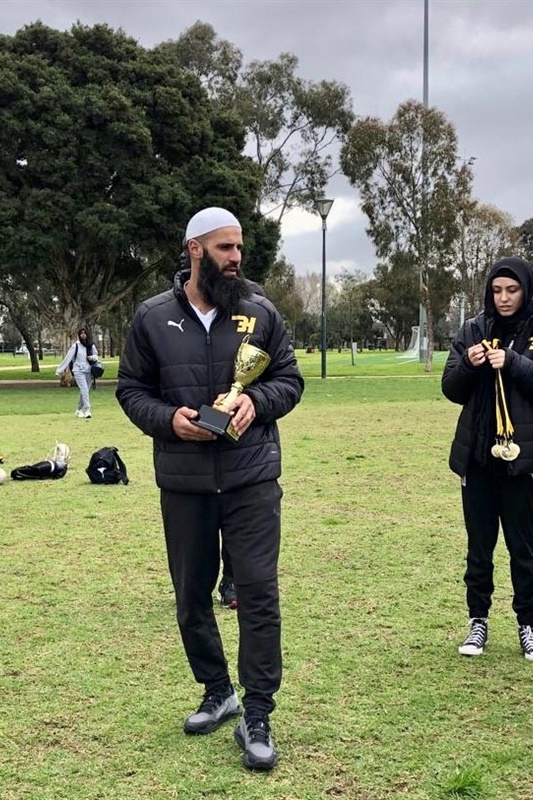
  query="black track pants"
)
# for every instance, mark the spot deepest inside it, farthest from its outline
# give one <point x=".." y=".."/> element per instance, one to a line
<point x="249" y="520"/>
<point x="227" y="566"/>
<point x="491" y="496"/>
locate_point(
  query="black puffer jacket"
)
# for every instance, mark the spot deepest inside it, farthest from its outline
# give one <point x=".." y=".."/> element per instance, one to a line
<point x="461" y="384"/>
<point x="170" y="361"/>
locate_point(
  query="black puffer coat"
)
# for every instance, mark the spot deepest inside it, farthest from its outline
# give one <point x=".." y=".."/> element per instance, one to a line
<point x="461" y="384"/>
<point x="170" y="361"/>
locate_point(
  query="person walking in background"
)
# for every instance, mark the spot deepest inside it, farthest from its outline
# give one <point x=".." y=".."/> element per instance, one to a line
<point x="79" y="358"/>
<point x="179" y="354"/>
<point x="495" y="465"/>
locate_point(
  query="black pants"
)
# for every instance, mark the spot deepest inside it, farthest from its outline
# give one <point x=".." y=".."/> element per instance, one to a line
<point x="249" y="521"/>
<point x="491" y="496"/>
<point x="227" y="566"/>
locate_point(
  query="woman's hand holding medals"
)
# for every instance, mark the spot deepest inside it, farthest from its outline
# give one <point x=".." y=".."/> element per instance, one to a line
<point x="478" y="355"/>
<point x="504" y="448"/>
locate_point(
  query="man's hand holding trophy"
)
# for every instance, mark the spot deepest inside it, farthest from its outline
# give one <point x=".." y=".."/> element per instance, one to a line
<point x="232" y="413"/>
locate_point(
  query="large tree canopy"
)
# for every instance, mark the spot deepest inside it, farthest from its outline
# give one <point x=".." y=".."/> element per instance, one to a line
<point x="415" y="193"/>
<point x="106" y="150"/>
<point x="216" y="62"/>
<point x="293" y="126"/>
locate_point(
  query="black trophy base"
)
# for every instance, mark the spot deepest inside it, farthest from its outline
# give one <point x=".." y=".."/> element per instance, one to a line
<point x="219" y="422"/>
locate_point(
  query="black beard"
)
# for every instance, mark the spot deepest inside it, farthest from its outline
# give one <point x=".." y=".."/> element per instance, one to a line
<point x="216" y="289"/>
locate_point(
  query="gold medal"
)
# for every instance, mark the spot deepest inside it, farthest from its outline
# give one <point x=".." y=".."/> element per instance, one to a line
<point x="515" y="449"/>
<point x="510" y="451"/>
<point x="504" y="448"/>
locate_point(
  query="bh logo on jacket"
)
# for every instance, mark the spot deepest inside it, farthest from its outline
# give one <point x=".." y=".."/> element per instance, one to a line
<point x="245" y="324"/>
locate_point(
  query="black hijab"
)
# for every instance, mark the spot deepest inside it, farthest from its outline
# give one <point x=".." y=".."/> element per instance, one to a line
<point x="519" y="270"/>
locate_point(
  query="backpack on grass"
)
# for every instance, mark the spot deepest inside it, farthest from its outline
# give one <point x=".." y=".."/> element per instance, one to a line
<point x="107" y="467"/>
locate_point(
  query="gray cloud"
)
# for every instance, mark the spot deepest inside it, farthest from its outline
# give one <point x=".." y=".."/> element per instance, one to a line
<point x="481" y="68"/>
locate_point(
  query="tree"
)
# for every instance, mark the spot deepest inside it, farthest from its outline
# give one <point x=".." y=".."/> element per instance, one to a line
<point x="525" y="238"/>
<point x="293" y="126"/>
<point x="106" y="150"/>
<point x="309" y="290"/>
<point x="280" y="287"/>
<point x="414" y="192"/>
<point x="215" y="62"/>
<point x="10" y="335"/>
<point x="486" y="234"/>
<point x="21" y="317"/>
<point x="395" y="292"/>
<point x="349" y="317"/>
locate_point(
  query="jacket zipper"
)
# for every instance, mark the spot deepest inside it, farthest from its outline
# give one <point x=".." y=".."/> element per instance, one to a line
<point x="212" y="391"/>
<point x="184" y="302"/>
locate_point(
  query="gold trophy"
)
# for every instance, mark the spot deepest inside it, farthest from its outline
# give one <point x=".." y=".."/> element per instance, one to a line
<point x="250" y="362"/>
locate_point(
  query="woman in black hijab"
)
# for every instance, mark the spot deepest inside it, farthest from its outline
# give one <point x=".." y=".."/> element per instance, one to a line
<point x="492" y="450"/>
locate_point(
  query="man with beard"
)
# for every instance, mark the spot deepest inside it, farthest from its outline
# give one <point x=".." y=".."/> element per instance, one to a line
<point x="180" y="354"/>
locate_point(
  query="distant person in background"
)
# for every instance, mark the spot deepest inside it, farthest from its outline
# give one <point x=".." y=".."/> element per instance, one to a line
<point x="497" y="487"/>
<point x="81" y="355"/>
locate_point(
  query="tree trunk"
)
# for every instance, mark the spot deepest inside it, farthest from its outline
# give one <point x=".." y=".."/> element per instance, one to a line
<point x="34" y="357"/>
<point x="27" y="338"/>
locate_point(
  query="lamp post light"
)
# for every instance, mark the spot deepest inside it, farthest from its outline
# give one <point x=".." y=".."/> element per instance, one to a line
<point x="323" y="207"/>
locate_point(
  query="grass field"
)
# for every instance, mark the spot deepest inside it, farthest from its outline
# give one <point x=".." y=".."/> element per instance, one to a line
<point x="366" y="363"/>
<point x="376" y="703"/>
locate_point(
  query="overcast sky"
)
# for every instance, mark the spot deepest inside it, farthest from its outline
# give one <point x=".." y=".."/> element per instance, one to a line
<point x="480" y="76"/>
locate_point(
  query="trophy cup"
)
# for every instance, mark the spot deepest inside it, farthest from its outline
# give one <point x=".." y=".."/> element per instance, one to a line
<point x="250" y="362"/>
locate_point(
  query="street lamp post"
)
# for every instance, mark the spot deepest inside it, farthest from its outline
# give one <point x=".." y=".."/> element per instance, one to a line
<point x="323" y="207"/>
<point x="422" y="322"/>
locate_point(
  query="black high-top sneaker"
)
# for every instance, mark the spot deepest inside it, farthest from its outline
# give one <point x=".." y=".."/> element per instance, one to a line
<point x="525" y="634"/>
<point x="475" y="642"/>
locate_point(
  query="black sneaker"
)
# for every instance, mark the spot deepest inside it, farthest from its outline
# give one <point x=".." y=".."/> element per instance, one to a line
<point x="475" y="642"/>
<point x="215" y="708"/>
<point x="227" y="593"/>
<point x="253" y="736"/>
<point x="525" y="634"/>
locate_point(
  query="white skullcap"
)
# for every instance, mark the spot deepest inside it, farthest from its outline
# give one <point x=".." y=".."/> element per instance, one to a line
<point x="210" y="219"/>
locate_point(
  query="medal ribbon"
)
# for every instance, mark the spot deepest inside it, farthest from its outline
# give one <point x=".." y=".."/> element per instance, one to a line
<point x="504" y="426"/>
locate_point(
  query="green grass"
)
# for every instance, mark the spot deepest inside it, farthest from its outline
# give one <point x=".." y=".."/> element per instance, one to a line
<point x="376" y="703"/>
<point x="383" y="363"/>
<point x="465" y="783"/>
<point x="19" y="368"/>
